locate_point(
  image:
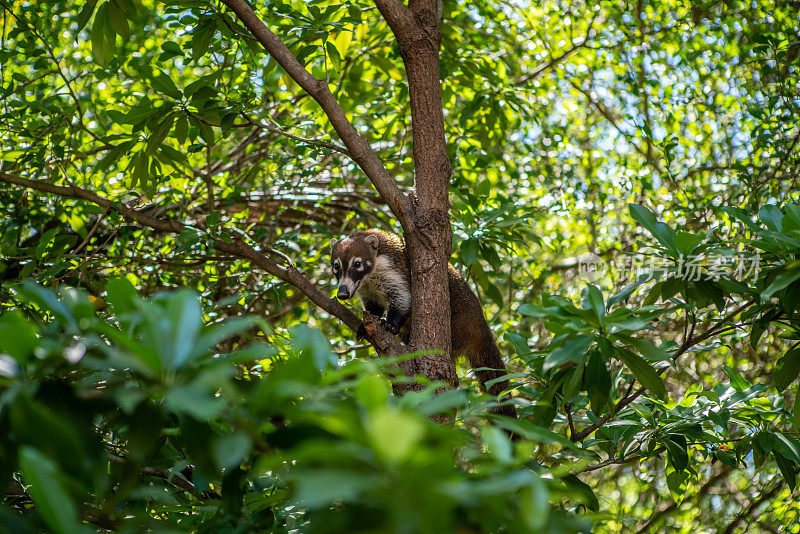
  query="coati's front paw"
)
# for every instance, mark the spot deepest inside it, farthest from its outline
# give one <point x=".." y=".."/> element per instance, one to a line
<point x="389" y="326"/>
<point x="361" y="333"/>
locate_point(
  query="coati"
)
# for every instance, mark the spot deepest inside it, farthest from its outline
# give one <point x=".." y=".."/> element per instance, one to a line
<point x="373" y="265"/>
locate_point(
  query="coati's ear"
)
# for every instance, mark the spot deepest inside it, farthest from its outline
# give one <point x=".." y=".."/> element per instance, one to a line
<point x="372" y="240"/>
<point x="334" y="242"/>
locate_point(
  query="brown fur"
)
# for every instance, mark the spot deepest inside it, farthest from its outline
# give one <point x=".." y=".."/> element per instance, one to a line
<point x="469" y="331"/>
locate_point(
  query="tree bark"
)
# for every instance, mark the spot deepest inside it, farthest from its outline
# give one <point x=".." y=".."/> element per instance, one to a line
<point x="429" y="240"/>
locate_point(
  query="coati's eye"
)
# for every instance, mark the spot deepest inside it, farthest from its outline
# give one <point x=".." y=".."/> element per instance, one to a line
<point x="357" y="264"/>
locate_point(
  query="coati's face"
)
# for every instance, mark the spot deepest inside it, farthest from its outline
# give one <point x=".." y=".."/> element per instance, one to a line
<point x="352" y="259"/>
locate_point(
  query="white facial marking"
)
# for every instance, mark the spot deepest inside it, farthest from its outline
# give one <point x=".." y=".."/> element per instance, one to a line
<point x="384" y="283"/>
<point x="349" y="286"/>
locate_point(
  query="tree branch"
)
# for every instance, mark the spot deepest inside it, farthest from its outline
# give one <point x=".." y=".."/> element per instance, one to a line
<point x="358" y="147"/>
<point x="397" y="16"/>
<point x="384" y="342"/>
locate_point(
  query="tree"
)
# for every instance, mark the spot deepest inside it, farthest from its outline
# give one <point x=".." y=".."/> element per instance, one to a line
<point x="152" y="146"/>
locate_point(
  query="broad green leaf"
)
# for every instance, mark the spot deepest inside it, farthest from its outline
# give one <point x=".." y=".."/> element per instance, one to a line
<point x="593" y="299"/>
<point x="186" y="315"/>
<point x="52" y="500"/>
<point x="648" y="349"/>
<point x="781" y="281"/>
<point x="788" y="469"/>
<point x="163" y="83"/>
<point x="737" y="380"/>
<point x="787" y="369"/>
<point x="230" y="450"/>
<point x="117" y="20"/>
<point x="333" y="55"/>
<point x="598" y="382"/>
<point x="583" y="491"/>
<point x="685" y="242"/>
<point x="17" y="335"/>
<point x="787" y="446"/>
<point x="101" y="50"/>
<point x="573" y="350"/>
<point x="663" y="233"/>
<point x="677" y="482"/>
<point x="373" y="391"/>
<point x="534" y="505"/>
<point x="85" y="14"/>
<point x="201" y="37"/>
<point x="643" y="372"/>
<point x="771" y="217"/>
<point x="393" y="433"/>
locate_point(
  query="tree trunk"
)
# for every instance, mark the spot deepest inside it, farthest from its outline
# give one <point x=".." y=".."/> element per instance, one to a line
<point x="429" y="237"/>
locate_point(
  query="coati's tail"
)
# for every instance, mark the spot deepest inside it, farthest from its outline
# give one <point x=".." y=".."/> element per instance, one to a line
<point x="472" y="338"/>
<point x="490" y="357"/>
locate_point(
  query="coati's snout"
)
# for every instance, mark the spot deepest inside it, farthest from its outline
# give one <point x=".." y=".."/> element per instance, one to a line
<point x="347" y="289"/>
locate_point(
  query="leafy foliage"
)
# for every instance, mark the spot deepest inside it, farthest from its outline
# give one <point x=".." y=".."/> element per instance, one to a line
<point x="129" y="419"/>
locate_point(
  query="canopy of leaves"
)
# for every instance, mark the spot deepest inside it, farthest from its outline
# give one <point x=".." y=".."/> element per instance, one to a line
<point x="624" y="201"/>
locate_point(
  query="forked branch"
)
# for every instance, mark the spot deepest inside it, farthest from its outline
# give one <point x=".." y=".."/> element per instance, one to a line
<point x="359" y="149"/>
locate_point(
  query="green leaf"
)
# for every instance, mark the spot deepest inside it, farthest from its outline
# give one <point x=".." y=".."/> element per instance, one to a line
<point x="677" y="482"/>
<point x="593" y="299"/>
<point x="519" y="343"/>
<point x="787" y="369"/>
<point x="373" y="391"/>
<point x="598" y="382"/>
<point x="726" y="457"/>
<point x="663" y="233"/>
<point x="201" y="37"/>
<point x="624" y="293"/>
<point x="583" y="492"/>
<point x="469" y="251"/>
<point x="685" y="242"/>
<point x="572" y="350"/>
<point x="117" y="20"/>
<point x="771" y="216"/>
<point x="648" y="349"/>
<point x="45" y="241"/>
<point x="100" y="50"/>
<point x="17" y="335"/>
<point x="163" y="83"/>
<point x="788" y="469"/>
<point x="186" y="316"/>
<point x="48" y="300"/>
<point x="796" y="409"/>
<point x="194" y="401"/>
<point x="333" y="55"/>
<point x="159" y="134"/>
<point x="181" y="129"/>
<point x="780" y="282"/>
<point x="121" y="294"/>
<point x="52" y="500"/>
<point x="231" y="450"/>
<point x="535" y="505"/>
<point x="84" y="15"/>
<point x="643" y="372"/>
<point x="323" y="487"/>
<point x="787" y="446"/>
<point x="394" y="433"/>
